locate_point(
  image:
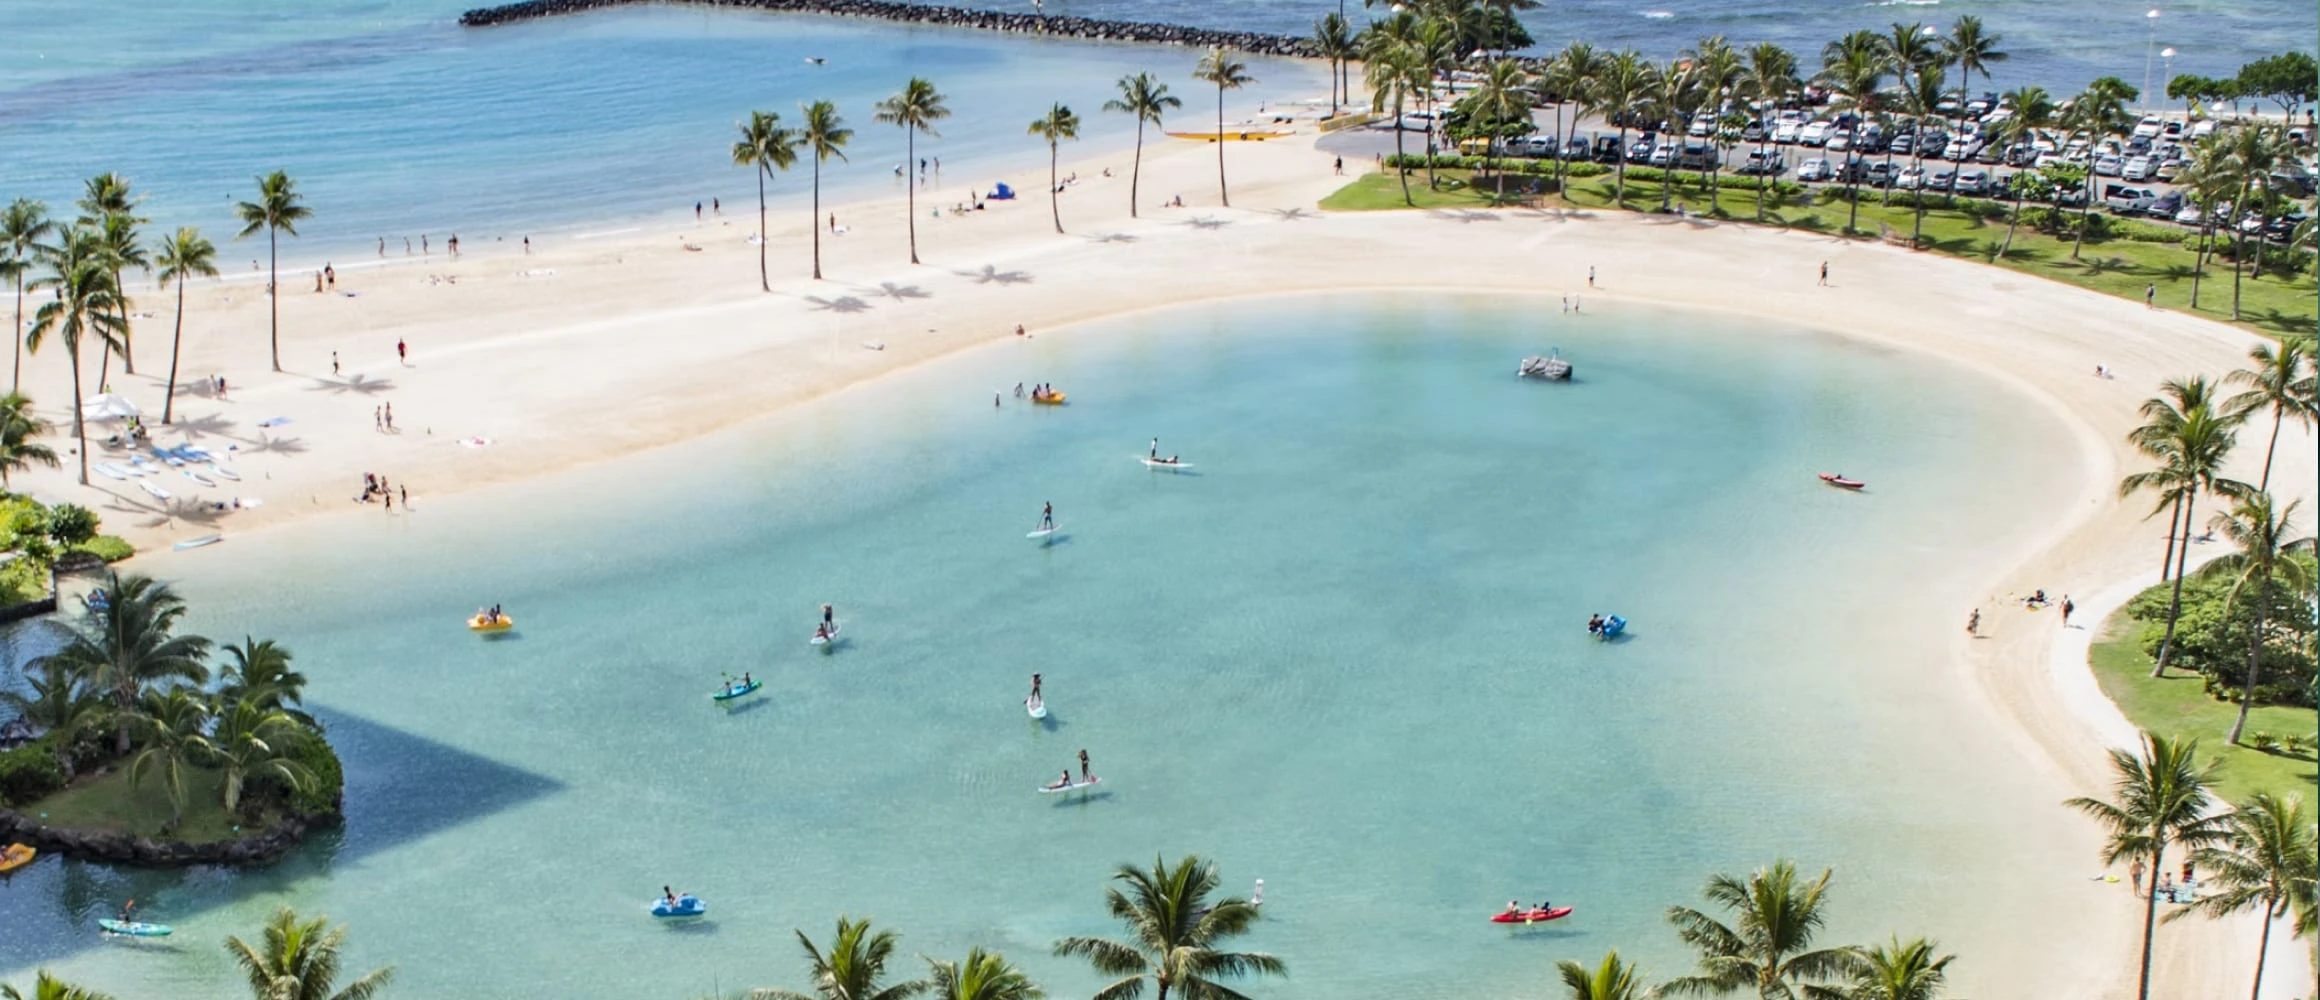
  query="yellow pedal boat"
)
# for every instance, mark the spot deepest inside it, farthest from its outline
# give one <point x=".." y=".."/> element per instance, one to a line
<point x="481" y="623"/>
<point x="16" y="856"/>
<point x="1049" y="399"/>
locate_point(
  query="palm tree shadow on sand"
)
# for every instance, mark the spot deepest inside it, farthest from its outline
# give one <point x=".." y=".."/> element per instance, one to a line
<point x="1206" y="222"/>
<point x="841" y="304"/>
<point x="890" y="290"/>
<point x="1462" y="215"/>
<point x="1556" y="214"/>
<point x="209" y="423"/>
<point x="359" y="384"/>
<point x="1294" y="214"/>
<point x="1113" y="238"/>
<point x="991" y="275"/>
<point x="278" y="445"/>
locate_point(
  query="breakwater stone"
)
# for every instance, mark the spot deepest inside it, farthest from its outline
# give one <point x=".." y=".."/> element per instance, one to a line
<point x="1091" y="29"/>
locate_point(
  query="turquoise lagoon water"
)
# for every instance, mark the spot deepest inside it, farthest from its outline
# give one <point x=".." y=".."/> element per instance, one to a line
<point x="1344" y="652"/>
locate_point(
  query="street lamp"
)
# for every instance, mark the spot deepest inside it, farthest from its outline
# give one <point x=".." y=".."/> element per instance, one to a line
<point x="2166" y="69"/>
<point x="2152" y="49"/>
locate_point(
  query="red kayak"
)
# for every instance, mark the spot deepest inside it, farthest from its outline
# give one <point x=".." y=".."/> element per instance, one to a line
<point x="1841" y="482"/>
<point x="1531" y="916"/>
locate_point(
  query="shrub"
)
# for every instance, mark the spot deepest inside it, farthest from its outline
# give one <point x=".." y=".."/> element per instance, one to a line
<point x="2214" y="643"/>
<point x="321" y="797"/>
<point x="29" y="772"/>
<point x="24" y="578"/>
<point x="71" y="524"/>
<point x="2264" y="742"/>
<point x="110" y="548"/>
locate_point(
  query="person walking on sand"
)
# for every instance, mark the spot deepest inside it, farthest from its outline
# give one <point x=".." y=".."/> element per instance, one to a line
<point x="334" y="362"/>
<point x="2150" y="296"/>
<point x="378" y="423"/>
<point x="2067" y="608"/>
<point x="2136" y="872"/>
<point x="390" y="414"/>
<point x="527" y="246"/>
<point x="402" y="351"/>
<point x="1824" y="274"/>
<point x="1341" y="166"/>
<point x="330" y="274"/>
<point x="405" y="491"/>
<point x="1974" y="622"/>
<point x="1590" y="275"/>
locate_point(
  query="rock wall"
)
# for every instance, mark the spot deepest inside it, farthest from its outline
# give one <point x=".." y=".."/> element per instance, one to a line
<point x="957" y="17"/>
<point x="261" y="848"/>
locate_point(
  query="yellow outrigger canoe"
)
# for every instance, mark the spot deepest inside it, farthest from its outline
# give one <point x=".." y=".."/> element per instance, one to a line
<point x="1233" y="135"/>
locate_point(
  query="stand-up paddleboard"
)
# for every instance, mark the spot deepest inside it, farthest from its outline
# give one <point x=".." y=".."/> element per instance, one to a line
<point x="1073" y="787"/>
<point x="1161" y="463"/>
<point x="1036" y="706"/>
<point x="132" y="928"/>
<point x="824" y="639"/>
<point x="1044" y="532"/>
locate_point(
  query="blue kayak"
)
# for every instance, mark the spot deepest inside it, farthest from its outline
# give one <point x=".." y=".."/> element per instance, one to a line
<point x="1612" y="626"/>
<point x="733" y="691"/>
<point x="688" y="905"/>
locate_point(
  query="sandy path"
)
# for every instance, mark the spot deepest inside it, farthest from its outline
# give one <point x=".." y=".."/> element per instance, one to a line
<point x="589" y="349"/>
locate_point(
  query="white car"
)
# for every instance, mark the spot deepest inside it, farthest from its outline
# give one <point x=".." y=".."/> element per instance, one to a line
<point x="1701" y="127"/>
<point x="2148" y="128"/>
<point x="2189" y="216"/>
<point x="1815" y="169"/>
<point x="1910" y="179"/>
<point x="1815" y="134"/>
<point x="1840" y="141"/>
<point x="1785" y="133"/>
<point x="2108" y="165"/>
<point x="2139" y="168"/>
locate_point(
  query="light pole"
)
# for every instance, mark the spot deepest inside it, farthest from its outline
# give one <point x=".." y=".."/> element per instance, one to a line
<point x="2166" y="71"/>
<point x="2152" y="49"/>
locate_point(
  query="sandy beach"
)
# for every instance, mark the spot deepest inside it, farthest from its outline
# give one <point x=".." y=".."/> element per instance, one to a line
<point x="585" y="350"/>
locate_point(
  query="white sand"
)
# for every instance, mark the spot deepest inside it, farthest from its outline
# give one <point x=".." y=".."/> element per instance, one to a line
<point x="589" y="349"/>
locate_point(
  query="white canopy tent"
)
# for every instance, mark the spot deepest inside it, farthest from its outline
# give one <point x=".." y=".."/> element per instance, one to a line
<point x="109" y="406"/>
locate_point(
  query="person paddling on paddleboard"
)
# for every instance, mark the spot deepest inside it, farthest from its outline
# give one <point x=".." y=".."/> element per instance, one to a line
<point x="1155" y="448"/>
<point x="829" y="619"/>
<point x="1083" y="767"/>
<point x="1035" y="688"/>
<point x="1047" y="516"/>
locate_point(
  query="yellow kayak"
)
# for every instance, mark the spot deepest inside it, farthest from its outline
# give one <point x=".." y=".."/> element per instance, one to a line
<point x="480" y="623"/>
<point x="1233" y="135"/>
<point x="16" y="856"/>
<point x="1050" y="399"/>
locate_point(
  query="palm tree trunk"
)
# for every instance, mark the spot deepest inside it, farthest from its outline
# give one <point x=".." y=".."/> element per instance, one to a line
<point x="80" y="427"/>
<point x="910" y="187"/>
<point x="273" y="314"/>
<point x="2167" y="561"/>
<point x="1762" y="178"/>
<point x="1401" y="166"/>
<point x="16" y="381"/>
<point x="2238" y="255"/>
<point x="2263" y="948"/>
<point x="1136" y="167"/>
<point x="2085" y="212"/>
<point x="1054" y="197"/>
<point x="2150" y="917"/>
<point x="2247" y="695"/>
<point x="763" y="283"/>
<point x="1619" y="182"/>
<point x="814" y="221"/>
<point x="169" y="393"/>
<point x="2199" y="258"/>
<point x="128" y="347"/>
<point x="2265" y="484"/>
<point x="1221" y="192"/>
<point x="2013" y="220"/>
<point x="2175" y="603"/>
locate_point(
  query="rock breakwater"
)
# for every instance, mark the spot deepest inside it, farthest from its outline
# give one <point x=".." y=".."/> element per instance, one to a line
<point x="1090" y="29"/>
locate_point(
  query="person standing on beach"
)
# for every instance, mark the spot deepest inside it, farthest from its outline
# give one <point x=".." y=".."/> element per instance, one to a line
<point x="406" y="492"/>
<point x="1590" y="275"/>
<point x="402" y="351"/>
<point x="454" y="244"/>
<point x="716" y="207"/>
<point x="2137" y="873"/>
<point x="423" y="247"/>
<point x="2067" y="608"/>
<point x="390" y="414"/>
<point x="1824" y="274"/>
<point x="378" y="423"/>
<point x="2150" y="296"/>
<point x="382" y="247"/>
<point x="1974" y="622"/>
<point x="527" y="246"/>
<point x="1341" y="166"/>
<point x="696" y="211"/>
<point x="334" y="362"/>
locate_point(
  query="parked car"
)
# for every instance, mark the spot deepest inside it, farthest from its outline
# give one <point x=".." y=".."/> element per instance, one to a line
<point x="2108" y="165"/>
<point x="1696" y="155"/>
<point x="2284" y="227"/>
<point x="2172" y="130"/>
<point x="1839" y="141"/>
<point x="1879" y="174"/>
<point x="1909" y="179"/>
<point x="1785" y="132"/>
<point x="1815" y="169"/>
<point x="1972" y="183"/>
<point x="1663" y="155"/>
<point x="2189" y="215"/>
<point x="2165" y="171"/>
<point x="2139" y="168"/>
<point x="1903" y="144"/>
<point x="1960" y="149"/>
<point x="1575" y="149"/>
<point x="1941" y="180"/>
<point x="2124" y="199"/>
<point x="1752" y="132"/>
<point x="1815" y="133"/>
<point x="1765" y="162"/>
<point x="2166" y="206"/>
<point x="1701" y="126"/>
<point x="2148" y="128"/>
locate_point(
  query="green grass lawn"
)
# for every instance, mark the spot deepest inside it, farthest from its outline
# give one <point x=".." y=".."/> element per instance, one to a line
<point x="109" y="802"/>
<point x="2272" y="305"/>
<point x="2176" y="706"/>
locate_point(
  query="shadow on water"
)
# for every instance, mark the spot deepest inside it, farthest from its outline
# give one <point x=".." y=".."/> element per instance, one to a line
<point x="1545" y="934"/>
<point x="744" y="706"/>
<point x="1048" y="724"/>
<point x="693" y="927"/>
<point x="1070" y="799"/>
<point x="395" y="795"/>
<point x="1051" y="541"/>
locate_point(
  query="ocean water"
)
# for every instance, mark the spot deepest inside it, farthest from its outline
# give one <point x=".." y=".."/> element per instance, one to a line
<point x="1343" y="651"/>
<point x="398" y="122"/>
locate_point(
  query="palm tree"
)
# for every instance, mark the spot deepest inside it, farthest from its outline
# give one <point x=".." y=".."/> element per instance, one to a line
<point x="23" y="224"/>
<point x="2097" y="111"/>
<point x="1769" y="78"/>
<point x="764" y="147"/>
<point x="186" y="255"/>
<point x="61" y="702"/>
<point x="276" y="211"/>
<point x="1570" y="77"/>
<point x="1909" y="49"/>
<point x="86" y="303"/>
<point x="172" y="728"/>
<point x="2255" y="150"/>
<point x="2263" y="536"/>
<point x="1055" y="126"/>
<point x="108" y="208"/>
<point x="259" y="671"/>
<point x="1675" y="99"/>
<point x="2266" y="865"/>
<point x="2280" y="380"/>
<point x="2191" y="440"/>
<point x="824" y="135"/>
<point x="1622" y="92"/>
<point x="1502" y="95"/>
<point x="2161" y="799"/>
<point x="2210" y="180"/>
<point x="48" y="987"/>
<point x="1767" y="948"/>
<point x="1717" y="67"/>
<point x="853" y="969"/>
<point x="1899" y="970"/>
<point x="1612" y="980"/>
<point x="298" y="960"/>
<point x="1333" y="39"/>
<point x="1173" y="931"/>
<point x="1220" y="68"/>
<point x="129" y="645"/>
<point x="2033" y="113"/>
<point x="1146" y="98"/>
<point x="915" y="108"/>
<point x="983" y="976"/>
<point x="1393" y="75"/>
<point x="18" y="427"/>
<point x="1971" y="49"/>
<point x="1921" y="97"/>
<point x="251" y="739"/>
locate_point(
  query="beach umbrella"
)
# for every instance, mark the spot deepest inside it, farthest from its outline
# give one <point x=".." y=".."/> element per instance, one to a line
<point x="110" y="406"/>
